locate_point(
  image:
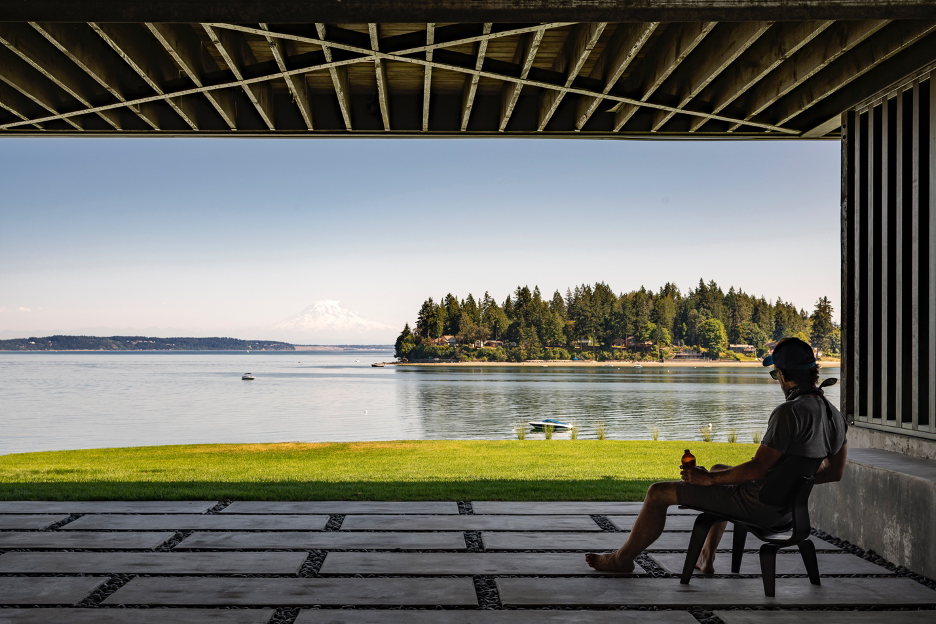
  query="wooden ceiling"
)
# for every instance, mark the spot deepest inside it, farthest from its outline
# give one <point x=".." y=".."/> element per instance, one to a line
<point x="706" y="79"/>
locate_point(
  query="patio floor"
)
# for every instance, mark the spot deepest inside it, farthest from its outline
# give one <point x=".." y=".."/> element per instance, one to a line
<point x="358" y="562"/>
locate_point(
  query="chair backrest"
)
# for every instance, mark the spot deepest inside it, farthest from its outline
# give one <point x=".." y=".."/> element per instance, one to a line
<point x="785" y="478"/>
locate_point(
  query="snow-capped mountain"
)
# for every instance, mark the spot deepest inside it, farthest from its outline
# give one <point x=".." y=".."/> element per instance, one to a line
<point x="328" y="321"/>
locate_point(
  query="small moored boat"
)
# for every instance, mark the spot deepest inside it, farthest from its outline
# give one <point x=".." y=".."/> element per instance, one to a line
<point x="557" y="425"/>
<point x="378" y="364"/>
<point x="247" y="377"/>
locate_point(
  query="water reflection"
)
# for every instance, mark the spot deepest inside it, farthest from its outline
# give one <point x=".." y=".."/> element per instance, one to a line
<point x="85" y="400"/>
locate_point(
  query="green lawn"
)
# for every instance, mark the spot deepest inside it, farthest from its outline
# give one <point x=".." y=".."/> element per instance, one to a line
<point x="425" y="470"/>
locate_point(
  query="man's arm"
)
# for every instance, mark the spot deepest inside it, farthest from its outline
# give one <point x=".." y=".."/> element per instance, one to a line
<point x="832" y="468"/>
<point x="757" y="468"/>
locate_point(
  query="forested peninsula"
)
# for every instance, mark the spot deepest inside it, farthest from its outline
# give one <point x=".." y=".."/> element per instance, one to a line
<point x="593" y="323"/>
<point x="139" y="343"/>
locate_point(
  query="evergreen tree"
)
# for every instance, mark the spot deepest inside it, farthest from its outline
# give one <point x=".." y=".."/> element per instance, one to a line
<point x="822" y="328"/>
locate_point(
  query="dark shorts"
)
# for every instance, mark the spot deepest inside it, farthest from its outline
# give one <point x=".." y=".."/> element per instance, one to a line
<point x="734" y="501"/>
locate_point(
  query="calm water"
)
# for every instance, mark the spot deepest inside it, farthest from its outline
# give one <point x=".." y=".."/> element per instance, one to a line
<point x="52" y="401"/>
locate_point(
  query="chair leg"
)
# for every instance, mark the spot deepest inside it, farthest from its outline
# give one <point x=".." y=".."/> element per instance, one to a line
<point x="699" y="531"/>
<point x="737" y="547"/>
<point x="808" y="551"/>
<point x="768" y="566"/>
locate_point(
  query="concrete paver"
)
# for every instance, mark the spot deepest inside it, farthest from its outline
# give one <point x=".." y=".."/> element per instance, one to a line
<point x="21" y="521"/>
<point x="606" y="541"/>
<point x="673" y="522"/>
<point x="470" y="523"/>
<point x="134" y="616"/>
<point x="151" y="563"/>
<point x="713" y="592"/>
<point x="82" y="539"/>
<point x="296" y="591"/>
<point x="826" y="617"/>
<point x="790" y="563"/>
<point x="182" y="522"/>
<point x="542" y="564"/>
<point x="35" y="590"/>
<point x="323" y="540"/>
<point x="566" y="507"/>
<point x="70" y="507"/>
<point x="340" y="507"/>
<point x="360" y="616"/>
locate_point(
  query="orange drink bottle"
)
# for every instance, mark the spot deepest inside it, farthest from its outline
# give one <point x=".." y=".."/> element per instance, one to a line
<point x="688" y="460"/>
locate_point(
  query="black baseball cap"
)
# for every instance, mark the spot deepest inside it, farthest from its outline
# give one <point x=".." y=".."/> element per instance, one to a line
<point x="791" y="354"/>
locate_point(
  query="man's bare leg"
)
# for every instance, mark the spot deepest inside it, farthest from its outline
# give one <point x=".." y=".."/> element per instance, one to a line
<point x="706" y="562"/>
<point x="647" y="528"/>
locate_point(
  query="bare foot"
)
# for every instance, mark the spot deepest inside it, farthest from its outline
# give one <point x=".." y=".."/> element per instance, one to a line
<point x="609" y="563"/>
<point x="705" y="565"/>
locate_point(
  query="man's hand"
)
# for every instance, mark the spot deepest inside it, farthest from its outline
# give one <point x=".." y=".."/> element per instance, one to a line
<point x="697" y="476"/>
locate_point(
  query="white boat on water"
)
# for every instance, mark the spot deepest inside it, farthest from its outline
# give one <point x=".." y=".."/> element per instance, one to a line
<point x="247" y="377"/>
<point x="557" y="425"/>
<point x="378" y="364"/>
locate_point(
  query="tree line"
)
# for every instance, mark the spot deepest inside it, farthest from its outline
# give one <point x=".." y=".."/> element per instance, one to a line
<point x="592" y="320"/>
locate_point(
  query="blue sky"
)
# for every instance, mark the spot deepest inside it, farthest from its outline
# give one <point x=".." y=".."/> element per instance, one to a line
<point x="229" y="236"/>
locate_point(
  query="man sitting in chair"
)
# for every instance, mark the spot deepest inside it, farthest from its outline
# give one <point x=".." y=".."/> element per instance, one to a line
<point x="805" y="424"/>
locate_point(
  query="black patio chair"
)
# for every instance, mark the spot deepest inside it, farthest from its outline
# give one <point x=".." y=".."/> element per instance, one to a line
<point x="788" y="485"/>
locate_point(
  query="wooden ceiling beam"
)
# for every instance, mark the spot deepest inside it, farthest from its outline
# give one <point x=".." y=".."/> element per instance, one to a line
<point x="709" y="60"/>
<point x="620" y="52"/>
<point x="471" y="81"/>
<point x="154" y="69"/>
<point x="524" y="56"/>
<point x="15" y="103"/>
<point x="35" y="86"/>
<point x="578" y="46"/>
<point x="677" y="47"/>
<point x="236" y="54"/>
<point x="863" y="58"/>
<point x="383" y="92"/>
<point x="181" y="43"/>
<point x="86" y="50"/>
<point x="30" y="46"/>
<point x="778" y="44"/>
<point x="296" y="84"/>
<point x="456" y="62"/>
<point x="805" y="63"/>
<point x="339" y="76"/>
<point x="427" y="78"/>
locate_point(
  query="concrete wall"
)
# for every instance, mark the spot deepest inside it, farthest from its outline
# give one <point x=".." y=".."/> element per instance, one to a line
<point x="886" y="502"/>
<point x="861" y="437"/>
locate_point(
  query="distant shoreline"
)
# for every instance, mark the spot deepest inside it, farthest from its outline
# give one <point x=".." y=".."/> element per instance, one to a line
<point x="593" y="364"/>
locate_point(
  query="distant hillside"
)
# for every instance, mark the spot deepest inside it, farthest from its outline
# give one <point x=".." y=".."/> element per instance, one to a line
<point x="139" y="343"/>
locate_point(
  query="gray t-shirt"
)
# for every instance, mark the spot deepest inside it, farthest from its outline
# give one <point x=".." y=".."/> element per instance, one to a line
<point x="804" y="427"/>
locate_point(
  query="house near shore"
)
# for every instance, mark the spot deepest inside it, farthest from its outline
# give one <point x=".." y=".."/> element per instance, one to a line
<point x="493" y="343"/>
<point x="745" y="349"/>
<point x="688" y="354"/>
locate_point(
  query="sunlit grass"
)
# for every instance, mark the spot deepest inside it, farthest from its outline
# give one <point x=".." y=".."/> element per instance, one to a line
<point x="414" y="470"/>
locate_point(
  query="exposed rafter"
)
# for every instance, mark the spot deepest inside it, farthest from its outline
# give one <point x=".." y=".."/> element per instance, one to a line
<point x="776" y="46"/>
<point x="677" y="47"/>
<point x="805" y="63"/>
<point x="153" y="68"/>
<point x="86" y="50"/>
<point x="233" y="49"/>
<point x="296" y="84"/>
<point x="524" y="57"/>
<point x="616" y="58"/>
<point x="383" y="92"/>
<point x="754" y="78"/>
<point x="712" y="57"/>
<point x="339" y="76"/>
<point x="427" y="78"/>
<point x="471" y="82"/>
<point x="576" y="50"/>
<point x="181" y="43"/>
